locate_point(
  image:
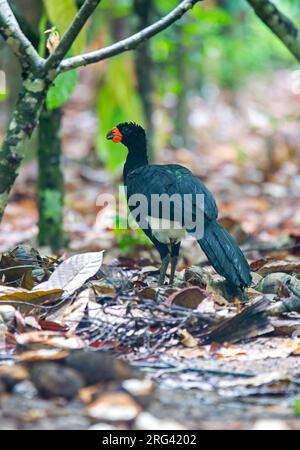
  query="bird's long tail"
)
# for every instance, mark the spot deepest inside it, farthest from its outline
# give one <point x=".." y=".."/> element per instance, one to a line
<point x="224" y="255"/>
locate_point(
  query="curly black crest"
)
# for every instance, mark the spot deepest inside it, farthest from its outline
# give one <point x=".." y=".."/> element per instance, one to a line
<point x="131" y="132"/>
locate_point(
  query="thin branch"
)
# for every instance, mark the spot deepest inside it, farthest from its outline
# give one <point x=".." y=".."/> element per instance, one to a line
<point x="16" y="40"/>
<point x="129" y="43"/>
<point x="72" y="32"/>
<point x="279" y="23"/>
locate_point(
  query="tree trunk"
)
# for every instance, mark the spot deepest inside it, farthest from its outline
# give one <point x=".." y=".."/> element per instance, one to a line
<point x="23" y="122"/>
<point x="50" y="181"/>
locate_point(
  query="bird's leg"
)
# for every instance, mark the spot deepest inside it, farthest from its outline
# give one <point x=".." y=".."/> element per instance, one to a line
<point x="174" y="260"/>
<point x="163" y="270"/>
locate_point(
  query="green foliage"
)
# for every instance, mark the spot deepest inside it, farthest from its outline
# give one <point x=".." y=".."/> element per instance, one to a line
<point x="52" y="204"/>
<point x="128" y="241"/>
<point x="61" y="14"/>
<point x="224" y="45"/>
<point x="3" y="95"/>
<point x="65" y="83"/>
<point x="43" y="37"/>
<point x="62" y="89"/>
<point x="117" y="101"/>
<point x="297" y="406"/>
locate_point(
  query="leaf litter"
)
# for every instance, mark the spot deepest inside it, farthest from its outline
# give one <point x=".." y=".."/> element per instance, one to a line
<point x="76" y="327"/>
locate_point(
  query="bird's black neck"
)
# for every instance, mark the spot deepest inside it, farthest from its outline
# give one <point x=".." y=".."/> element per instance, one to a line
<point x="137" y="157"/>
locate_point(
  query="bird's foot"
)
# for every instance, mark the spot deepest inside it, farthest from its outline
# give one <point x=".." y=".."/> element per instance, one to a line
<point x="163" y="270"/>
<point x="174" y="260"/>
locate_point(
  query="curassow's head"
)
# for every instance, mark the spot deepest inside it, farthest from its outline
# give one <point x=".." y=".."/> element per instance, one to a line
<point x="128" y="133"/>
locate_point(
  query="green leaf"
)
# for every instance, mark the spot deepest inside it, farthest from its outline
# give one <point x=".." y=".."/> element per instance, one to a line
<point x="61" y="13"/>
<point x="62" y="89"/>
<point x="297" y="406"/>
<point x="3" y="96"/>
<point x="3" y="87"/>
<point x="43" y="37"/>
<point x="52" y="202"/>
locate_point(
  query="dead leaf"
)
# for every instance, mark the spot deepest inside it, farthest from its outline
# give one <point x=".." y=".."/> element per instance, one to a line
<point x="27" y="281"/>
<point x="43" y="354"/>
<point x="71" y="313"/>
<point x="53" y="39"/>
<point x="291" y="267"/>
<point x="39" y="297"/>
<point x="73" y="272"/>
<point x="51" y="339"/>
<point x="148" y="293"/>
<point x="15" y="372"/>
<point x="189" y="297"/>
<point x="52" y="326"/>
<point x="187" y="339"/>
<point x="259" y="380"/>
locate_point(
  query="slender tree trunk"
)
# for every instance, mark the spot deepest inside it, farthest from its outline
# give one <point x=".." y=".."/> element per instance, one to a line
<point x="23" y="122"/>
<point x="145" y="68"/>
<point x="181" y="115"/>
<point x="50" y="181"/>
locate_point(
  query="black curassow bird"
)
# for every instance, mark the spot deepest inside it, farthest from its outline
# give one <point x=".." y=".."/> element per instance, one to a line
<point x="141" y="178"/>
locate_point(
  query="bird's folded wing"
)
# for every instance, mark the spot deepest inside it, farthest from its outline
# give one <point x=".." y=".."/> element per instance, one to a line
<point x="172" y="179"/>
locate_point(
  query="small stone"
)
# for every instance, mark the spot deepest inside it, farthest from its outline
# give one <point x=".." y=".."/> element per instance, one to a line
<point x="55" y="380"/>
<point x="95" y="367"/>
<point x="26" y="388"/>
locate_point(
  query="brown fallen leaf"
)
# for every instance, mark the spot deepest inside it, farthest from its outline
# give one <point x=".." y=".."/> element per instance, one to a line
<point x="228" y="352"/>
<point x="27" y="281"/>
<point x="52" y="326"/>
<point x="189" y="297"/>
<point x="291" y="267"/>
<point x="43" y="354"/>
<point x="148" y="293"/>
<point x="51" y="339"/>
<point x="87" y="394"/>
<point x="15" y="372"/>
<point x="39" y="297"/>
<point x="187" y="339"/>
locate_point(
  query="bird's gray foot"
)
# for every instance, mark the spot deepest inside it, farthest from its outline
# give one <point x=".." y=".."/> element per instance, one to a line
<point x="163" y="270"/>
<point x="174" y="260"/>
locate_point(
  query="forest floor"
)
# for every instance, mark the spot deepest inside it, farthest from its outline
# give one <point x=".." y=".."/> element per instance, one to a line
<point x="198" y="356"/>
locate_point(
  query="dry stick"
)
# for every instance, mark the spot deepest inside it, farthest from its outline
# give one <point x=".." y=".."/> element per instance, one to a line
<point x="279" y="23"/>
<point x="129" y="43"/>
